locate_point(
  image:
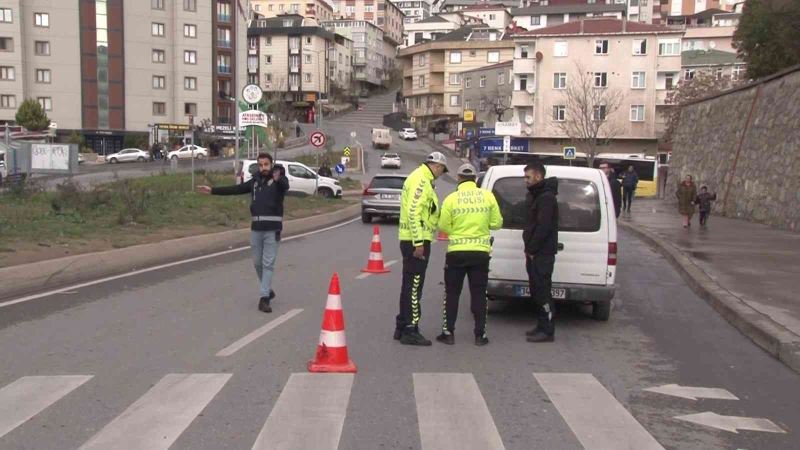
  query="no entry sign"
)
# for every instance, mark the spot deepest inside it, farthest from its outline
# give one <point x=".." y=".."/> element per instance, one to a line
<point x="317" y="139"/>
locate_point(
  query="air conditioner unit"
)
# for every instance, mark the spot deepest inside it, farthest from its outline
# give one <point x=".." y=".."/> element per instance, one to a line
<point x="529" y="119"/>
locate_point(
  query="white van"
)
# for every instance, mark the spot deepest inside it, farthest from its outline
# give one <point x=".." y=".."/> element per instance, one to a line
<point x="301" y="178"/>
<point x="587" y="237"/>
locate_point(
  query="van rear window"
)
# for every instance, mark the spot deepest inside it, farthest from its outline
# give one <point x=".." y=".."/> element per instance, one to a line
<point x="387" y="183"/>
<point x="578" y="204"/>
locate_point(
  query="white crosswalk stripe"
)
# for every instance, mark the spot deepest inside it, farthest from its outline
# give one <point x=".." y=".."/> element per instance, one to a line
<point x="28" y="396"/>
<point x="159" y="417"/>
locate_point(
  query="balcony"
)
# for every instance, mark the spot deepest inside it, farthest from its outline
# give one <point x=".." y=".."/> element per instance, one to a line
<point x="294" y="88"/>
<point x="294" y="51"/>
<point x="225" y="70"/>
<point x="661" y="96"/>
<point x="252" y="51"/>
<point x="526" y="65"/>
<point x="252" y="69"/>
<point x="294" y="69"/>
<point x="223" y="44"/>
<point x="223" y="17"/>
<point x="521" y="99"/>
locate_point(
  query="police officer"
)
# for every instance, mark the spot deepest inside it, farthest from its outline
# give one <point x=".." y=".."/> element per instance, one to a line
<point x="540" y="238"/>
<point x="467" y="216"/>
<point x="419" y="215"/>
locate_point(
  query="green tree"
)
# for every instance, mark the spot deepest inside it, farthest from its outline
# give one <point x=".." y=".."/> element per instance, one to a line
<point x="31" y="115"/>
<point x="768" y="36"/>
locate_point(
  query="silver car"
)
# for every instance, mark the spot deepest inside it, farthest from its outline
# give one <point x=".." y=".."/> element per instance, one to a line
<point x="128" y="155"/>
<point x="382" y="197"/>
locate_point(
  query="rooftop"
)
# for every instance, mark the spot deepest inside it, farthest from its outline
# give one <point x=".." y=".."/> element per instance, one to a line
<point x="569" y="8"/>
<point x="708" y="58"/>
<point x="600" y="26"/>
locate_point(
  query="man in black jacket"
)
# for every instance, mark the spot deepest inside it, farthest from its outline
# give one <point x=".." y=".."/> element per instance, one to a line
<point x="541" y="245"/>
<point x="268" y="188"/>
<point x="616" y="188"/>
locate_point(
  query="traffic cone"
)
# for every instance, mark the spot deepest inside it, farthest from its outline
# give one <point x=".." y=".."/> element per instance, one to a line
<point x="442" y="236"/>
<point x="375" y="262"/>
<point x="332" y="349"/>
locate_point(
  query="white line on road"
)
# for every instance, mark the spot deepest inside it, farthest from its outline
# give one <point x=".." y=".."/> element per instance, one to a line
<point x="162" y="266"/>
<point x="692" y="393"/>
<point x="732" y="423"/>
<point x="309" y="413"/>
<point x="452" y="413"/>
<point x="598" y="420"/>
<point x="238" y="345"/>
<point x="28" y="396"/>
<point x="158" y="418"/>
<point x="366" y="274"/>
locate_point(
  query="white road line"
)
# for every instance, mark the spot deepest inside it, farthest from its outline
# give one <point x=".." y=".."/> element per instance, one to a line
<point x="158" y="418"/>
<point x="309" y="413"/>
<point x="452" y="413"/>
<point x="28" y="396"/>
<point x="162" y="266"/>
<point x="596" y="418"/>
<point x="366" y="274"/>
<point x="238" y="345"/>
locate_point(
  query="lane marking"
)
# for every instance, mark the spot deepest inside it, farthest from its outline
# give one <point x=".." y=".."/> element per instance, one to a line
<point x="366" y="274"/>
<point x="596" y="418"/>
<point x="732" y="423"/>
<point x="691" y="392"/>
<point x="452" y="413"/>
<point x="163" y="266"/>
<point x="238" y="345"/>
<point x="157" y="419"/>
<point x="28" y="396"/>
<point x="309" y="413"/>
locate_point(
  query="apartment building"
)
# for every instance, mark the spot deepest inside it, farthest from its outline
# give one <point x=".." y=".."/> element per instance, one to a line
<point x="640" y="62"/>
<point x="645" y="11"/>
<point x="341" y="62"/>
<point x="495" y="16"/>
<point x="109" y="67"/>
<point x="370" y="62"/>
<point x="721" y="65"/>
<point x="458" y="5"/>
<point x="487" y="93"/>
<point x="382" y="13"/>
<point x="432" y="70"/>
<point x="711" y="29"/>
<point x="314" y="9"/>
<point x="414" y="11"/>
<point x="540" y="15"/>
<point x="428" y="29"/>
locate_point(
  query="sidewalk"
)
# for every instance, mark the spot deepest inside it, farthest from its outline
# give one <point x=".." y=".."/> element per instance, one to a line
<point x="749" y="273"/>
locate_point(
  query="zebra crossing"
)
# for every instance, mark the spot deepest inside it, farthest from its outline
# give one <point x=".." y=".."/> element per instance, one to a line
<point x="311" y="411"/>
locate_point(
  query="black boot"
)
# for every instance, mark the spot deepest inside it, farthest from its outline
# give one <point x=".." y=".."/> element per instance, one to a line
<point x="481" y="340"/>
<point x="263" y="305"/>
<point x="446" y="338"/>
<point x="411" y="336"/>
<point x="532" y="331"/>
<point x="541" y="336"/>
<point x="398" y="333"/>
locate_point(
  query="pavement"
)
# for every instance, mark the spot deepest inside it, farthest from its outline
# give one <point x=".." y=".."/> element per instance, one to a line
<point x="746" y="271"/>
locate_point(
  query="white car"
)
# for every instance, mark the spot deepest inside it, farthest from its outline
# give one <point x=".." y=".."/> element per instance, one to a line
<point x="187" y="152"/>
<point x="128" y="155"/>
<point x="586" y="262"/>
<point x="390" y="160"/>
<point x="301" y="178"/>
<point x="407" y="134"/>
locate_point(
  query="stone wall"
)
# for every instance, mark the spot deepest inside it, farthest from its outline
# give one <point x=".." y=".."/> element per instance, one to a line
<point x="764" y="184"/>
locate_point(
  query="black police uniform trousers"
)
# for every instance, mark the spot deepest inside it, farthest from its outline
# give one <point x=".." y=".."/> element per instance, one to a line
<point x="413" y="281"/>
<point x="475" y="266"/>
<point x="540" y="280"/>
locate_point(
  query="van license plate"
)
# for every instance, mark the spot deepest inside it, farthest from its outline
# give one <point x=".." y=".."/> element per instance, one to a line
<point x="390" y="196"/>
<point x="556" y="293"/>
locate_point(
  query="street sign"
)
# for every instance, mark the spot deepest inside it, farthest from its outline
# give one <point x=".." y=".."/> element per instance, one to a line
<point x="569" y="152"/>
<point x="346" y="151"/>
<point x="413" y="119"/>
<point x="352" y="134"/>
<point x="339" y="168"/>
<point x="252" y="93"/>
<point x="345" y="160"/>
<point x="507" y="128"/>
<point x="252" y="118"/>
<point x="469" y="115"/>
<point x="506" y="144"/>
<point x="317" y="139"/>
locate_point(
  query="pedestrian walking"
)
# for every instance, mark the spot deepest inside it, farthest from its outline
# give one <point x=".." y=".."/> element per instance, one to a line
<point x="324" y="170"/>
<point x="703" y="200"/>
<point x="419" y="216"/>
<point x="686" y="193"/>
<point x="616" y="188"/>
<point x="540" y="238"/>
<point x="629" y="182"/>
<point x="268" y="188"/>
<point x="467" y="216"/>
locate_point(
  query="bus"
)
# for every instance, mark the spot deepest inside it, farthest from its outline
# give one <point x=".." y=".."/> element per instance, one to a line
<point x="646" y="168"/>
<point x="489" y="159"/>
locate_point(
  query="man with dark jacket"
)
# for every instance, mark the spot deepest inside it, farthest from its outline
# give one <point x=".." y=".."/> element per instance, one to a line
<point x="629" y="182"/>
<point x="540" y="238"/>
<point x="268" y="188"/>
<point x="616" y="188"/>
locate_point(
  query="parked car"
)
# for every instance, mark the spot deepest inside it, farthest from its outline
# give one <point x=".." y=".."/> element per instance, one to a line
<point x="586" y="263"/>
<point x="407" y="134"/>
<point x="128" y="155"/>
<point x="301" y="178"/>
<point x="382" y="197"/>
<point x="187" y="152"/>
<point x="390" y="160"/>
<point x="381" y="138"/>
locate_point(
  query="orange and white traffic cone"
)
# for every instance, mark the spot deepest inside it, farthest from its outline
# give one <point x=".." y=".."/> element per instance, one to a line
<point x="332" y="353"/>
<point x="375" y="262"/>
<point x="442" y="236"/>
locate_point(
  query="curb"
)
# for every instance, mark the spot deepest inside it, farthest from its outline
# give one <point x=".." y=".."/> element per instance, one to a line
<point x="759" y="328"/>
<point x="35" y="277"/>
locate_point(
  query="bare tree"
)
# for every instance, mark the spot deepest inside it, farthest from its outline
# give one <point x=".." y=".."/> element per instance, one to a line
<point x="703" y="84"/>
<point x="589" y="119"/>
<point x="496" y="103"/>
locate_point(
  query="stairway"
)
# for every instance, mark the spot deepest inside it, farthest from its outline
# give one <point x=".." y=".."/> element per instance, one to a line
<point x="373" y="110"/>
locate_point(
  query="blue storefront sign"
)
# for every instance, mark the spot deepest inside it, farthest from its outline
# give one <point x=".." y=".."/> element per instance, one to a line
<point x="484" y="132"/>
<point x="495" y="144"/>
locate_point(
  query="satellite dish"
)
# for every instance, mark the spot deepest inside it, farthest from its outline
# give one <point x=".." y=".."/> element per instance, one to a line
<point x="528" y="130"/>
<point x="712" y="45"/>
<point x="529" y="120"/>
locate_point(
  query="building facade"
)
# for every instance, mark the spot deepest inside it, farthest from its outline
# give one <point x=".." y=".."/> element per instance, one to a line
<point x="540" y="15"/>
<point x="495" y="16"/>
<point x="721" y="65"/>
<point x="414" y="11"/>
<point x="368" y="52"/>
<point x="487" y="94"/>
<point x="428" y="29"/>
<point x="314" y="9"/>
<point x="381" y="13"/>
<point x="341" y="63"/>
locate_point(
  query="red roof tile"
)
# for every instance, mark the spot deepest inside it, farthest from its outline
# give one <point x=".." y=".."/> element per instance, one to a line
<point x="600" y="26"/>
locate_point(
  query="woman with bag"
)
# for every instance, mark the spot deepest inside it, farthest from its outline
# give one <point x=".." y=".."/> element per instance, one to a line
<point x="686" y="193"/>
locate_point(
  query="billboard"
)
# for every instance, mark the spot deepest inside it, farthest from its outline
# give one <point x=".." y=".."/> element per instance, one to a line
<point x="496" y="145"/>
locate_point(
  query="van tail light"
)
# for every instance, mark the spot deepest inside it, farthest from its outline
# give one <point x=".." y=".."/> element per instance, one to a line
<point x="612" y="253"/>
<point x="368" y="193"/>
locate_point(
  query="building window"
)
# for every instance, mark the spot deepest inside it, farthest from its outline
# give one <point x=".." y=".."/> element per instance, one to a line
<point x="421" y="60"/>
<point x="737" y="73"/>
<point x="501" y="78"/>
<point x="493" y="57"/>
<point x="637" y="113"/>
<point x="482" y="104"/>
<point x="7" y="73"/>
<point x="669" y="80"/>
<point x="159" y="82"/>
<point x="159" y="109"/>
<point x="159" y="56"/>
<point x="523" y="51"/>
<point x="455" y="79"/>
<point x="455" y="100"/>
<point x="671" y="47"/>
<point x="467" y="104"/>
<point x="536" y="20"/>
<point x="223" y="37"/>
<point x="42" y="48"/>
<point x="190" y="109"/>
<point x="455" y="57"/>
<point x="157" y="4"/>
<point x="601" y="47"/>
<point x="559" y="113"/>
<point x="599" y="113"/>
<point x="600" y="79"/>
<point x="718" y="73"/>
<point x="223" y="11"/>
<point x="268" y="78"/>
<point x="421" y="81"/>
<point x="267" y="40"/>
<point x="308" y="59"/>
<point x="190" y="57"/>
<point x="560" y="49"/>
<point x="560" y="80"/>
<point x="467" y="82"/>
<point x="8" y="101"/>
<point x="190" y="83"/>
<point x="482" y="82"/>
<point x="307" y="77"/>
<point x="5" y="15"/>
<point x="157" y="29"/>
<point x="638" y="80"/>
<point x="189" y="30"/>
<point x="268" y="59"/>
<point x="523" y="82"/>
<point x="6" y="44"/>
<point x="223" y="63"/>
<point x="640" y="46"/>
<point x="190" y="5"/>
<point x="46" y="102"/>
<point x="252" y="42"/>
<point x="41" y="19"/>
<point x="688" y="75"/>
<point x="308" y="40"/>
